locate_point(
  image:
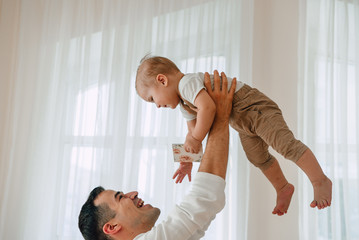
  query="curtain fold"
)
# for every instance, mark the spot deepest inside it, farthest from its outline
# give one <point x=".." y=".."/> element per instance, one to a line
<point x="329" y="84"/>
<point x="72" y="119"/>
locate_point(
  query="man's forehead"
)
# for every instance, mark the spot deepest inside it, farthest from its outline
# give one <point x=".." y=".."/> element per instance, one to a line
<point x="105" y="196"/>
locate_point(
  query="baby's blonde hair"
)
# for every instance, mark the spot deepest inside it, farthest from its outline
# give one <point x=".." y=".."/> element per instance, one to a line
<point x="150" y="67"/>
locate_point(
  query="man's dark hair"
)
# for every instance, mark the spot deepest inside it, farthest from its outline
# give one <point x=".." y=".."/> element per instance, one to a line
<point x="92" y="218"/>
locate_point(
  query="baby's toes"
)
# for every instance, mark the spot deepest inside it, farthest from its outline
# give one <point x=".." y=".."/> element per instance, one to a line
<point x="275" y="210"/>
<point x="313" y="204"/>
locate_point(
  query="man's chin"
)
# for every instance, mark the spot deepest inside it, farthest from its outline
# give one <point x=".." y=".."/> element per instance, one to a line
<point x="157" y="212"/>
<point x="152" y="216"/>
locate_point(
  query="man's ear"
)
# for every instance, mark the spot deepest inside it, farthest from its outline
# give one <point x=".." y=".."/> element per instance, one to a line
<point x="162" y="79"/>
<point x="111" y="228"/>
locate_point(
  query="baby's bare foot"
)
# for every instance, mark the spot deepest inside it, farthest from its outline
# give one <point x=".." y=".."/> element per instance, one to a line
<point x="284" y="196"/>
<point x="322" y="193"/>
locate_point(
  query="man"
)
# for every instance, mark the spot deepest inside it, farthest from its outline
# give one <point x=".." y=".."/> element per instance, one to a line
<point x="108" y="214"/>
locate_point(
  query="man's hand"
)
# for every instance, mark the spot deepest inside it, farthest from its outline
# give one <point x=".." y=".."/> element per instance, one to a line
<point x="191" y="144"/>
<point x="215" y="158"/>
<point x="220" y="95"/>
<point x="184" y="169"/>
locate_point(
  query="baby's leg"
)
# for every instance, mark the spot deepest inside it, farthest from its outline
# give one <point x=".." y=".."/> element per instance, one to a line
<point x="257" y="153"/>
<point x="283" y="188"/>
<point x="272" y="128"/>
<point x="322" y="185"/>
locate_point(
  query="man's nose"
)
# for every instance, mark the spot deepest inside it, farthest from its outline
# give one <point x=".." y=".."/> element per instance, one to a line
<point x="133" y="195"/>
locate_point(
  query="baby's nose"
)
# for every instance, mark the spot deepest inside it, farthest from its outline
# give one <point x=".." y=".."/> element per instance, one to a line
<point x="158" y="106"/>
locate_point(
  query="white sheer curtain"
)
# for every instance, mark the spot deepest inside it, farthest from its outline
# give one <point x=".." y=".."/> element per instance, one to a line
<point x="329" y="106"/>
<point x="71" y="119"/>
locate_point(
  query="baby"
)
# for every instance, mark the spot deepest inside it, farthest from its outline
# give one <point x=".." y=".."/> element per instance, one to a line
<point x="257" y="119"/>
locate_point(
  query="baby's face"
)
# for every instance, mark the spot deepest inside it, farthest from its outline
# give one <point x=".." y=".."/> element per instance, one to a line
<point x="162" y="96"/>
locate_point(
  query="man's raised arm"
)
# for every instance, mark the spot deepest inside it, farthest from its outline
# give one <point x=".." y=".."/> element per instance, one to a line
<point x="215" y="158"/>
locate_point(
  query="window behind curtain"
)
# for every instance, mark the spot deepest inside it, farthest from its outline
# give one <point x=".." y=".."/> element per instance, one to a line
<point x="92" y="105"/>
<point x="330" y="113"/>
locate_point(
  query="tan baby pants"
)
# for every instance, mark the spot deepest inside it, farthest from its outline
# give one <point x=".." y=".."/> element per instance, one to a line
<point x="260" y="124"/>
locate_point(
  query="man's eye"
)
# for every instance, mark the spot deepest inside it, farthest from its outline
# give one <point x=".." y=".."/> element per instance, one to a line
<point x="120" y="197"/>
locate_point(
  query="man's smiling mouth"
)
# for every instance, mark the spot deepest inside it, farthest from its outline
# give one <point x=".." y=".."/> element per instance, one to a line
<point x="140" y="203"/>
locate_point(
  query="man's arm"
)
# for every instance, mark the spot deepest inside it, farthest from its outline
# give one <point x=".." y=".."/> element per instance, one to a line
<point x="215" y="158"/>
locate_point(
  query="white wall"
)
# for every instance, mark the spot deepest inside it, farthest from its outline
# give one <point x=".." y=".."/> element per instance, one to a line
<point x="275" y="74"/>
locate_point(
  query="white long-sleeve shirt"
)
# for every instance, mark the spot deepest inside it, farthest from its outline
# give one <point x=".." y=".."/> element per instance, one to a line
<point x="191" y="218"/>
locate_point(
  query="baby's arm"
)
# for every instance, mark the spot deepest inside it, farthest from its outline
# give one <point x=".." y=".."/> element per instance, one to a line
<point x="205" y="115"/>
<point x="191" y="124"/>
<point x="191" y="144"/>
<point x="198" y="129"/>
<point x="185" y="168"/>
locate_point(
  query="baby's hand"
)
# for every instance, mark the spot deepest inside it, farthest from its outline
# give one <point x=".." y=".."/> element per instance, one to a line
<point x="184" y="169"/>
<point x="191" y="144"/>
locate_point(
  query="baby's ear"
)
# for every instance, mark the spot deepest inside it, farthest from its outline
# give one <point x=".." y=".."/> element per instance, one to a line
<point x="162" y="79"/>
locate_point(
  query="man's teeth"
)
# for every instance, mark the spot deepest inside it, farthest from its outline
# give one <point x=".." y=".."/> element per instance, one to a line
<point x="140" y="203"/>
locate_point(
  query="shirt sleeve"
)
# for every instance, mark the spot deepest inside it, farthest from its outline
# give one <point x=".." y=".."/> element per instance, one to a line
<point x="191" y="218"/>
<point x="189" y="87"/>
